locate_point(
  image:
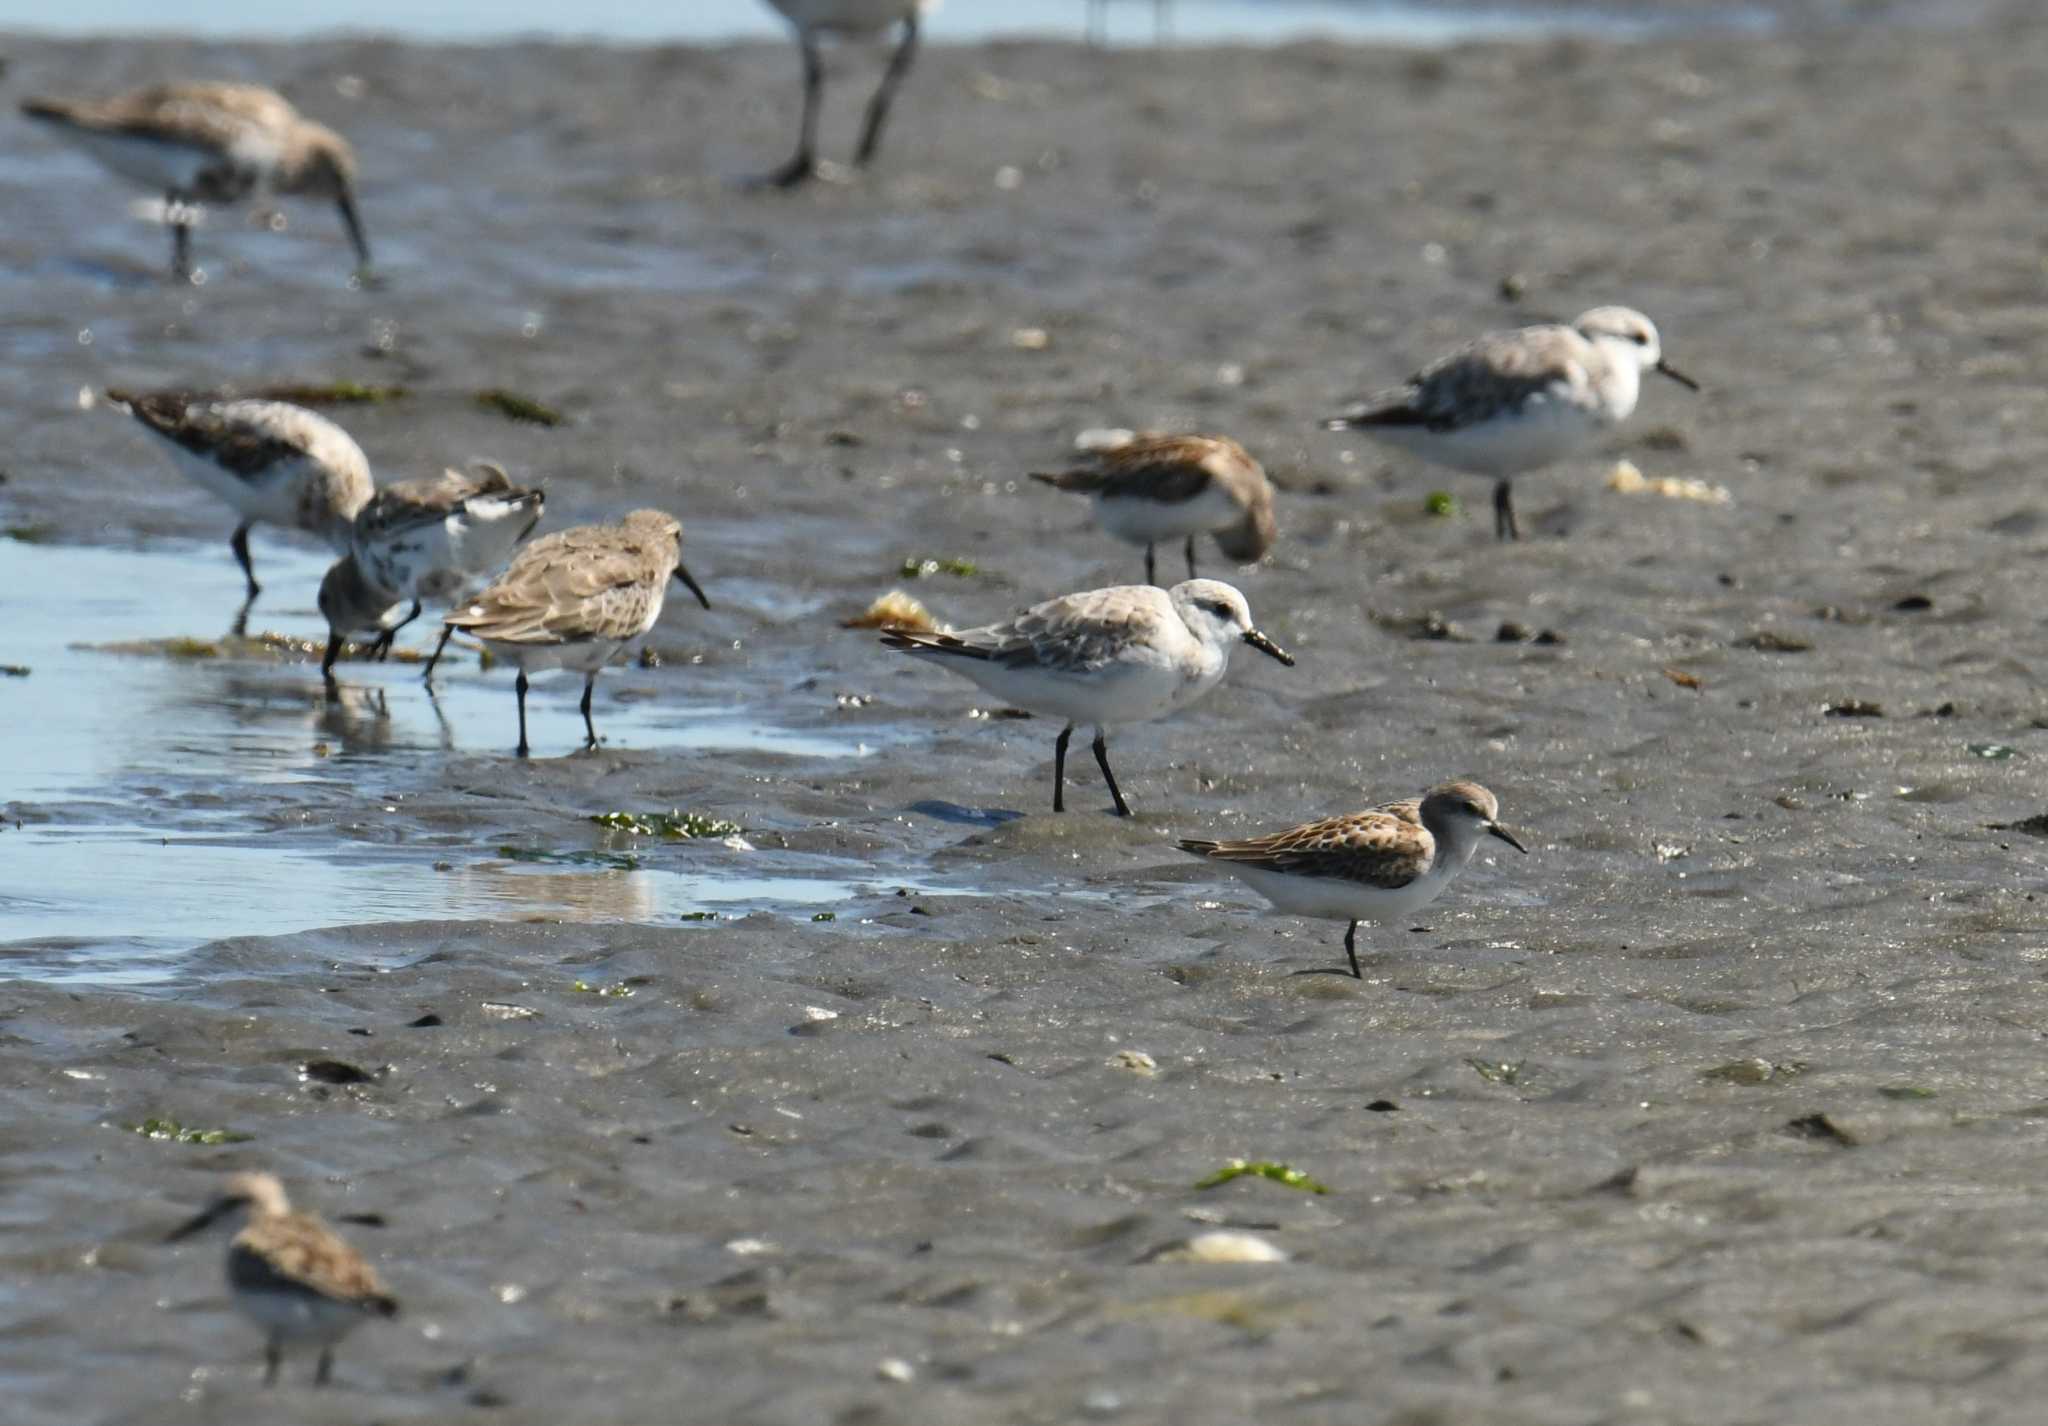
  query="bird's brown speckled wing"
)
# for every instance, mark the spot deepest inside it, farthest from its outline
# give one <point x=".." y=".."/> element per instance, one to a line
<point x="210" y="116"/>
<point x="205" y="428"/>
<point x="408" y="504"/>
<point x="1168" y="469"/>
<point x="1497" y="373"/>
<point x="298" y="1252"/>
<point x="589" y="582"/>
<point x="1384" y="846"/>
<point x="1073" y="634"/>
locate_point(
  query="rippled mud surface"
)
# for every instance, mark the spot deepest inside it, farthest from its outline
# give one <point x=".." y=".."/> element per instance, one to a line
<point x="1724" y="1105"/>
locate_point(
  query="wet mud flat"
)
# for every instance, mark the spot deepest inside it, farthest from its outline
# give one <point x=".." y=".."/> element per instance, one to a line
<point x="1723" y="1105"/>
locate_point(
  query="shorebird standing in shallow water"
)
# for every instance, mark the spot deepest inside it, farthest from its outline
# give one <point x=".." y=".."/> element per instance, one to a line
<point x="423" y="539"/>
<point x="1126" y="654"/>
<point x="1513" y="401"/>
<point x="1366" y="866"/>
<point x="1152" y="488"/>
<point x="576" y="599"/>
<point x="290" y="1273"/>
<point x="854" y="19"/>
<point x="276" y="463"/>
<point x="210" y="143"/>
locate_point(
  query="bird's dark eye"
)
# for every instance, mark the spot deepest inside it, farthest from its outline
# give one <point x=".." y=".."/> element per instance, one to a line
<point x="1641" y="339"/>
<point x="1217" y="607"/>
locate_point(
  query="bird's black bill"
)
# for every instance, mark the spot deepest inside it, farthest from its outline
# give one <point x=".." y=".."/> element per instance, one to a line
<point x="1678" y="376"/>
<point x="1494" y="829"/>
<point x="1267" y="647"/>
<point x="201" y="1223"/>
<point x="347" y="204"/>
<point x="684" y="576"/>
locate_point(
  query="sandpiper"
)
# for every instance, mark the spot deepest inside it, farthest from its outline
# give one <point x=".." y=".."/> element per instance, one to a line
<point x="210" y="143"/>
<point x="1152" y="487"/>
<point x="1126" y="654"/>
<point x="290" y="1273"/>
<point x="1513" y="401"/>
<point x="276" y="463"/>
<point x="575" y="599"/>
<point x="423" y="539"/>
<point x="852" y="18"/>
<point x="1366" y="866"/>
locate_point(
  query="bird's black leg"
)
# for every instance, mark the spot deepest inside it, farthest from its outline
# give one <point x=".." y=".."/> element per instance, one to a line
<point x="589" y="728"/>
<point x="878" y="107"/>
<point x="381" y="649"/>
<point x="447" y="632"/>
<point x="1191" y="556"/>
<point x="273" y="1356"/>
<point x="1102" y="761"/>
<point x="1351" y="949"/>
<point x="803" y="165"/>
<point x="181" y="236"/>
<point x="1504" y="526"/>
<point x="239" y="543"/>
<point x="1151" y="574"/>
<point x="519" y="686"/>
<point x="327" y="663"/>
<point x="1059" y="768"/>
<point x="326" y="1368"/>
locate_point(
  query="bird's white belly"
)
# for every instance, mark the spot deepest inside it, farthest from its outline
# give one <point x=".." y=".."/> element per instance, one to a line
<point x="848" y="17"/>
<point x="271" y="496"/>
<point x="154" y="164"/>
<point x="1122" y="692"/>
<point x="1543" y="431"/>
<point x="1145" y="522"/>
<point x="1337" y="900"/>
<point x="586" y="657"/>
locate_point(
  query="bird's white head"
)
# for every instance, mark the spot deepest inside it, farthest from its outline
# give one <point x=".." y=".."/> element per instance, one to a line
<point x="1627" y="335"/>
<point x="241" y="1196"/>
<point x="1217" y="614"/>
<point x="1461" y="812"/>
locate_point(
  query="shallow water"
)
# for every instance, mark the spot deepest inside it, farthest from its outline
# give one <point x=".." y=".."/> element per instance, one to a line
<point x="161" y="801"/>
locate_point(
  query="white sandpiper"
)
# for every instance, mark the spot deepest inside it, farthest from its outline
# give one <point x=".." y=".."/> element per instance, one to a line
<point x="210" y="143"/>
<point x="276" y="463"/>
<point x="854" y="19"/>
<point x="423" y="540"/>
<point x="1366" y="866"/>
<point x="577" y="599"/>
<point x="1126" y="654"/>
<point x="1150" y="488"/>
<point x="1514" y="401"/>
<point x="291" y="1274"/>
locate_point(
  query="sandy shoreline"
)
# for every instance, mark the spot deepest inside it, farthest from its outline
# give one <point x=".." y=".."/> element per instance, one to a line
<point x="1723" y="1105"/>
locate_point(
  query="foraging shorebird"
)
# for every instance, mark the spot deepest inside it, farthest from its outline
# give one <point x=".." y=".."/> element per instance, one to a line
<point x="577" y="598"/>
<point x="1366" y="866"/>
<point x="854" y="19"/>
<point x="1126" y="654"/>
<point x="210" y="143"/>
<point x="1154" y="488"/>
<point x="290" y="1273"/>
<point x="276" y="463"/>
<point x="1514" y="401"/>
<point x="418" y="540"/>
